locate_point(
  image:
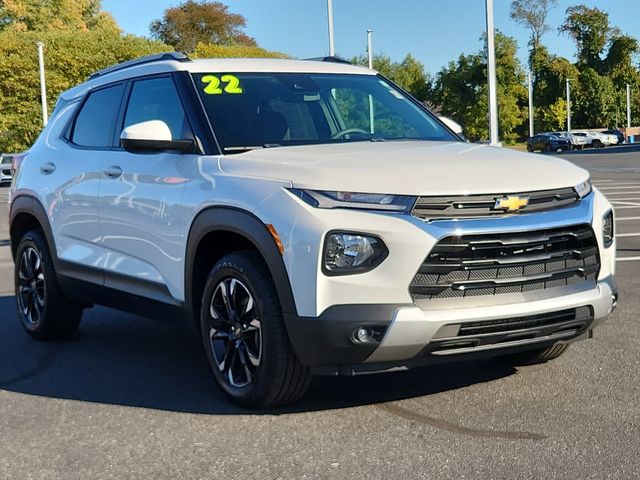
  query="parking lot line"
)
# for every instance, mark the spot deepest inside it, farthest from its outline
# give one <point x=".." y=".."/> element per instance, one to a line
<point x="626" y="219"/>
<point x="624" y="199"/>
<point x="623" y="207"/>
<point x="622" y="187"/>
<point x="627" y="259"/>
<point x="633" y="234"/>
<point x="610" y="184"/>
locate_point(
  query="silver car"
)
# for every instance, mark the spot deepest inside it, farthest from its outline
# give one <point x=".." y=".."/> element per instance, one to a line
<point x="6" y="174"/>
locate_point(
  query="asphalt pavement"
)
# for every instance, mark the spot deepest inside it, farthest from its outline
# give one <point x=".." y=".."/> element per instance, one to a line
<point x="129" y="397"/>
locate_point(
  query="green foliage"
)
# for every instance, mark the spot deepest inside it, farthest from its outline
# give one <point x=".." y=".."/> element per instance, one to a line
<point x="69" y="59"/>
<point x="460" y="91"/>
<point x="65" y="15"/>
<point x="193" y="22"/>
<point x="554" y="117"/>
<point x="409" y="73"/>
<point x="590" y="30"/>
<point x="207" y="50"/>
<point x="594" y="99"/>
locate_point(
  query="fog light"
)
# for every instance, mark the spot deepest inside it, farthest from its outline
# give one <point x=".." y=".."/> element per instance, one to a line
<point x="608" y="229"/>
<point x="347" y="253"/>
<point x="363" y="335"/>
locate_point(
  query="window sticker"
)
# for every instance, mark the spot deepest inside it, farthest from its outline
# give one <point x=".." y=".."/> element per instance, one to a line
<point x="230" y="84"/>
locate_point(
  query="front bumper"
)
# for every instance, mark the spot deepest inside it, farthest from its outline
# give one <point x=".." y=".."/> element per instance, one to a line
<point x="412" y="336"/>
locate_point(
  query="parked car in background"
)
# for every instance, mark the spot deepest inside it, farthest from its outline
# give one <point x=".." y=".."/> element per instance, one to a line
<point x="6" y="174"/>
<point x="594" y="139"/>
<point x="577" y="142"/>
<point x="618" y="134"/>
<point x="545" y="142"/>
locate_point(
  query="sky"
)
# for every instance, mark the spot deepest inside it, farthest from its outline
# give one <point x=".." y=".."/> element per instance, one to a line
<point x="434" y="31"/>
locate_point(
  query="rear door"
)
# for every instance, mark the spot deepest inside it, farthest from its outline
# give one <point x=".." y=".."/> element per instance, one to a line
<point x="71" y="177"/>
<point x="140" y="199"/>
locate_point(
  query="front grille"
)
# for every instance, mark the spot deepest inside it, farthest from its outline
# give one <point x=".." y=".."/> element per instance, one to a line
<point x="493" y="264"/>
<point x="513" y="324"/>
<point x="456" y="206"/>
<point x="488" y="334"/>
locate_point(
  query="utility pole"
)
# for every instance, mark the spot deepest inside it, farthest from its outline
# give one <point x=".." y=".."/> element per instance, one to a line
<point x="568" y="106"/>
<point x="491" y="77"/>
<point x="370" y="49"/>
<point x="43" y="87"/>
<point x="628" y="106"/>
<point x="531" y="132"/>
<point x="332" y="50"/>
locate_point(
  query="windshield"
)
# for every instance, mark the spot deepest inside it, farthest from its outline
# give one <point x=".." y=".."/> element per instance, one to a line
<point x="258" y="110"/>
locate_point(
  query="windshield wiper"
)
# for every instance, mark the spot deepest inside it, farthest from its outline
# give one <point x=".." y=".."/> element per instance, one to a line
<point x="247" y="148"/>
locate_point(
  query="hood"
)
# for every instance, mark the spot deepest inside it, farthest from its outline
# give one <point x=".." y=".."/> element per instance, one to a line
<point x="409" y="168"/>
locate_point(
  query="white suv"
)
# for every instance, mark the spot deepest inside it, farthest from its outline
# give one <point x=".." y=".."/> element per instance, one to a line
<point x="309" y="217"/>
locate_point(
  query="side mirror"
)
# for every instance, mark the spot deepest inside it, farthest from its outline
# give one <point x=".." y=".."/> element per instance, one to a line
<point x="152" y="136"/>
<point x="452" y="124"/>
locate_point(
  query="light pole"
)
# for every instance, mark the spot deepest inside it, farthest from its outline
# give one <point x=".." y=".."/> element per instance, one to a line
<point x="372" y="128"/>
<point x="332" y="50"/>
<point x="43" y="87"/>
<point x="531" y="133"/>
<point x="491" y="77"/>
<point x="628" y="106"/>
<point x="369" y="48"/>
<point x="568" y="105"/>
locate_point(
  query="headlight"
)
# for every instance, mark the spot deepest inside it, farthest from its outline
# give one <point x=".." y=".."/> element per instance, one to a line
<point x="583" y="189"/>
<point x="365" y="201"/>
<point x="607" y="229"/>
<point x="347" y="253"/>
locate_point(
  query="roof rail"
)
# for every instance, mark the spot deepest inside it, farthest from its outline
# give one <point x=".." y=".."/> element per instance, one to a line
<point x="330" y="59"/>
<point x="177" y="56"/>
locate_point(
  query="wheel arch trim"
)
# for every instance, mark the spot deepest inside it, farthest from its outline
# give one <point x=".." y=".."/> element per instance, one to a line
<point x="30" y="205"/>
<point x="246" y="224"/>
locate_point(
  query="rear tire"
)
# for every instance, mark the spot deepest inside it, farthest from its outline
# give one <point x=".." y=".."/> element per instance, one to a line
<point x="533" y="357"/>
<point x="529" y="149"/>
<point x="44" y="310"/>
<point x="244" y="335"/>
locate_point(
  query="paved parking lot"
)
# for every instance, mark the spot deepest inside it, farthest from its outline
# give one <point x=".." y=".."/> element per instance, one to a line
<point x="132" y="398"/>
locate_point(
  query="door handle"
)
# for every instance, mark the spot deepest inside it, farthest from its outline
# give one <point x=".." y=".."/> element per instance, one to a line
<point x="113" y="171"/>
<point x="47" y="168"/>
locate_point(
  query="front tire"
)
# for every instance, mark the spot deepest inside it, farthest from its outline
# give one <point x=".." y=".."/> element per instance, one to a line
<point x="44" y="310"/>
<point x="244" y="335"/>
<point x="534" y="357"/>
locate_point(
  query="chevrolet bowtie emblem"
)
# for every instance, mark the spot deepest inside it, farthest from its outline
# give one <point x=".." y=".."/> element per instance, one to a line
<point x="511" y="203"/>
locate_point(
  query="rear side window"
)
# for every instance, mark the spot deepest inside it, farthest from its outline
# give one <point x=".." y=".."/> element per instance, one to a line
<point x="157" y="99"/>
<point x="96" y="122"/>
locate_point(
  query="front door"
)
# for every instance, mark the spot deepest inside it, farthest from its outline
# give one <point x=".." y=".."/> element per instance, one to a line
<point x="140" y="200"/>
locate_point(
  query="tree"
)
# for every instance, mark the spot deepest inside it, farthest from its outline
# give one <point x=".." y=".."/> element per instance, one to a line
<point x="193" y="22"/>
<point x="460" y="92"/>
<point x="590" y="30"/>
<point x="64" y="15"/>
<point x="207" y="50"/>
<point x="409" y="73"/>
<point x="533" y="15"/>
<point x="70" y="57"/>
